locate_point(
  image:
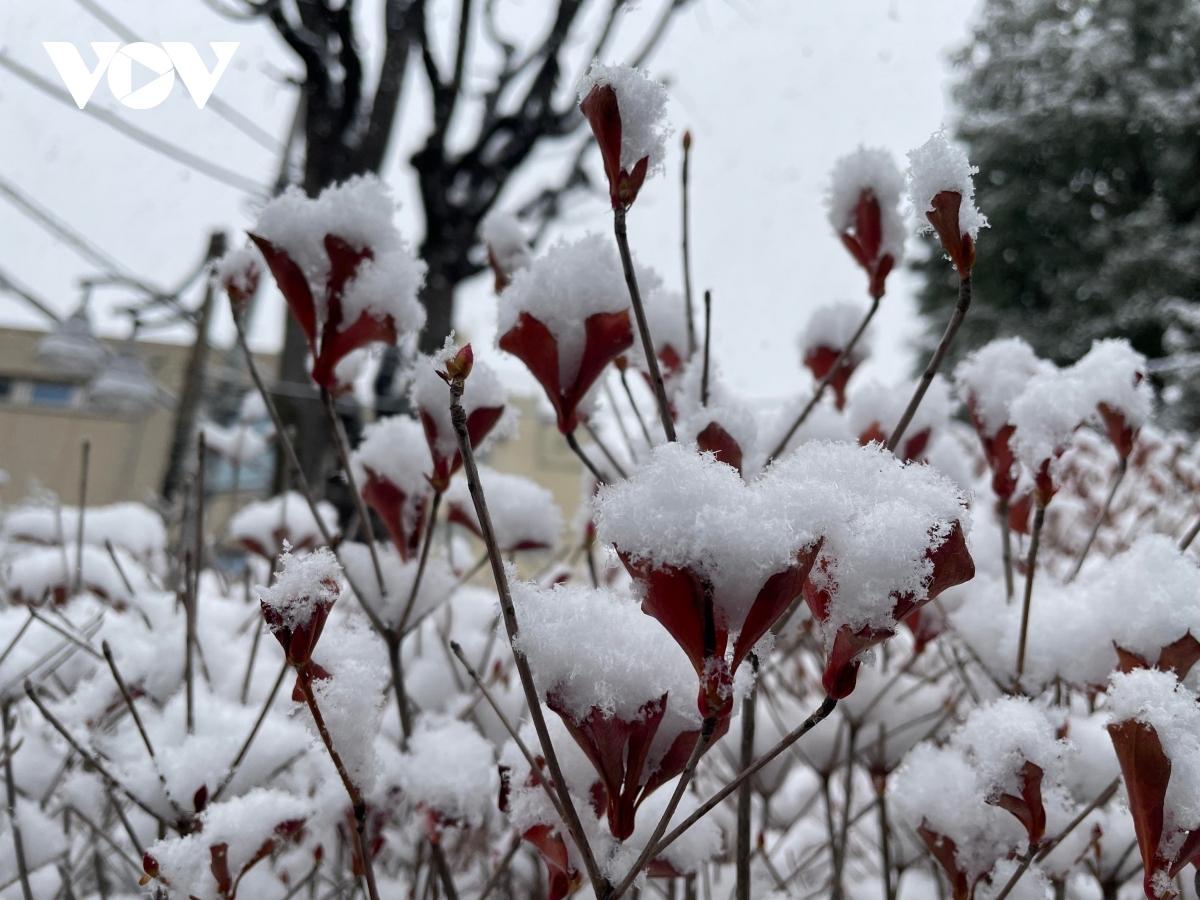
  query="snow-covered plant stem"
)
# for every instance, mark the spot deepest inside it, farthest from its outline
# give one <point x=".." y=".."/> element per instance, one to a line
<point x="823" y="384"/>
<point x="1005" y="547"/>
<point x="687" y="253"/>
<point x="1190" y="536"/>
<point x="612" y="460"/>
<point x="656" y="846"/>
<point x="434" y="505"/>
<point x="304" y="681"/>
<point x="512" y="731"/>
<point x="746" y="791"/>
<point x="1122" y="467"/>
<point x="183" y="826"/>
<point x="392" y="640"/>
<point x="573" y="443"/>
<point x="633" y="403"/>
<point x="657" y="842"/>
<point x="1038" y="852"/>
<point x="1039" y="517"/>
<point x="137" y="721"/>
<point x="935" y="362"/>
<point x="10" y="792"/>
<point x="639" y="313"/>
<point x="840" y="848"/>
<point x="458" y="418"/>
<point x="707" y="347"/>
<point x="85" y="453"/>
<point x="885" y="834"/>
<point x="281" y="433"/>
<point x="364" y="517"/>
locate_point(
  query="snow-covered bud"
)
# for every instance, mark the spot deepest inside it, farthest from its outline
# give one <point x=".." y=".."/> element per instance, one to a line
<point x="567" y="317"/>
<point x="392" y="468"/>
<point x="941" y="189"/>
<point x="346" y="274"/>
<point x="864" y="209"/>
<point x="485" y="405"/>
<point x="297" y="605"/>
<point x="1115" y="375"/>
<point x="829" y="331"/>
<point x="507" y="247"/>
<point x="238" y="272"/>
<point x="625" y="109"/>
<point x="988" y="381"/>
<point x="1154" y="724"/>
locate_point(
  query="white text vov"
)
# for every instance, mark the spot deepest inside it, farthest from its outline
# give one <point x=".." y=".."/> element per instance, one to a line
<point x="117" y="60"/>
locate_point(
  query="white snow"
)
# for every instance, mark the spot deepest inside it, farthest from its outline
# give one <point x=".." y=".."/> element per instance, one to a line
<point x="523" y="513"/>
<point x="992" y="377"/>
<point x="303" y="584"/>
<point x="832" y="326"/>
<point x="266" y="524"/>
<point x="563" y="287"/>
<point x="450" y="768"/>
<point x="506" y="241"/>
<point x="936" y="166"/>
<point x="360" y="212"/>
<point x="874" y="170"/>
<point x="642" y="102"/>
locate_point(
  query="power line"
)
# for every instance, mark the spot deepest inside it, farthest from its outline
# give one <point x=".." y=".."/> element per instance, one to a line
<point x="167" y="149"/>
<point x="72" y="238"/>
<point x="12" y="287"/>
<point x="216" y="104"/>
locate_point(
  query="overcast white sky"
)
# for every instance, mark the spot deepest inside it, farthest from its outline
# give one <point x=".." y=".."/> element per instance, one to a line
<point x="773" y="90"/>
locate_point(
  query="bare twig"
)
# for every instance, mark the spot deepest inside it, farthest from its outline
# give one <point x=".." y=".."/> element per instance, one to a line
<point x="707" y="347"/>
<point x="11" y="794"/>
<point x="90" y="759"/>
<point x="85" y="457"/>
<point x="1005" y="547"/>
<point x="588" y="464"/>
<point x="501" y="867"/>
<point x="1039" y="516"/>
<point x="824" y="383"/>
<point x="241" y="755"/>
<point x="745" y="792"/>
<point x="430" y="527"/>
<point x="935" y="362"/>
<point x="612" y="460"/>
<point x="112" y="554"/>
<point x="633" y="404"/>
<point x="820" y="714"/>
<point x="137" y="721"/>
<point x="1122" y="466"/>
<point x="656" y="842"/>
<point x="458" y="417"/>
<point x="304" y="679"/>
<point x="639" y="313"/>
<point x="512" y="731"/>
<point x="343" y="450"/>
<point x="687" y="253"/>
<point x="1190" y="536"/>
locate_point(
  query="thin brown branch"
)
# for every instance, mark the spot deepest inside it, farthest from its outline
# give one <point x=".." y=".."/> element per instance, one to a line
<point x="636" y="411"/>
<point x="707" y="347"/>
<point x="746" y="792"/>
<point x="639" y="313"/>
<point x="11" y="794"/>
<point x="573" y="443"/>
<point x="245" y="748"/>
<point x="501" y="867"/>
<point x="458" y="417"/>
<point x="935" y="362"/>
<point x="1039" y="517"/>
<point x="824" y="383"/>
<point x="85" y="457"/>
<point x="612" y="460"/>
<point x="1006" y="547"/>
<point x="687" y="251"/>
<point x="430" y="527"/>
<point x="1122" y="467"/>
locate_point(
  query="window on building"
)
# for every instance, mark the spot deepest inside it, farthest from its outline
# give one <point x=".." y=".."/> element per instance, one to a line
<point x="52" y="393"/>
<point x="6" y="389"/>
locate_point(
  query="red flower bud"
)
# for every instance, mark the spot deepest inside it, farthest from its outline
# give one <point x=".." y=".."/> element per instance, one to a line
<point x="601" y="110"/>
<point x="943" y="217"/>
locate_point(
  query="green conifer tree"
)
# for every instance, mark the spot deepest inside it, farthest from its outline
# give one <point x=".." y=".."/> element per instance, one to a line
<point x="1083" y="117"/>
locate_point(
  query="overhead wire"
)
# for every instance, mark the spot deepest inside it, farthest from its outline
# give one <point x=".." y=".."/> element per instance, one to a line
<point x="239" y="121"/>
<point x="145" y="138"/>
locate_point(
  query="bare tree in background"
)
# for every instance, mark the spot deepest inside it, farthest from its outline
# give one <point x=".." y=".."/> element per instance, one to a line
<point x="346" y="131"/>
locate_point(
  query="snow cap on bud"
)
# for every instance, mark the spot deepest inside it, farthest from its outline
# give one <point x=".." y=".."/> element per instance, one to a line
<point x="507" y="247"/>
<point x="864" y="209"/>
<point x="941" y="189"/>
<point x="459" y="365"/>
<point x="297" y="605"/>
<point x="238" y="272"/>
<point x="625" y="108"/>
